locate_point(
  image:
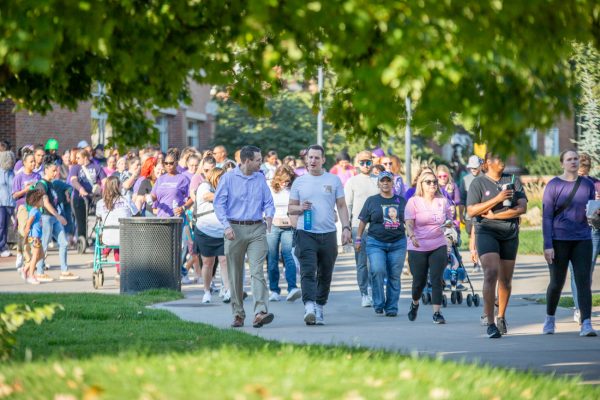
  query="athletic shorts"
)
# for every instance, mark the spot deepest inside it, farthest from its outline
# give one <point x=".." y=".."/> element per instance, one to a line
<point x="208" y="246"/>
<point x="35" y="242"/>
<point x="487" y="242"/>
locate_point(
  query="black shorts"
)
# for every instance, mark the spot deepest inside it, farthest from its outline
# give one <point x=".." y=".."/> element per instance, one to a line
<point x="208" y="246"/>
<point x="487" y="242"/>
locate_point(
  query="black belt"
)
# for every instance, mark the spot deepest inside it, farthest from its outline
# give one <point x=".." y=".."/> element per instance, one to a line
<point x="246" y="222"/>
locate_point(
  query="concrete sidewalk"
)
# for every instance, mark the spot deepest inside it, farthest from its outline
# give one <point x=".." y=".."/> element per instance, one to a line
<point x="462" y="338"/>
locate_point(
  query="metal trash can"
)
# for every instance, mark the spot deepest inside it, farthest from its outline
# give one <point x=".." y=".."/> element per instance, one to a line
<point x="150" y="253"/>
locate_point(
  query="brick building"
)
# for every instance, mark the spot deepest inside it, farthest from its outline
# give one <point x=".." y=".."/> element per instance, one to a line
<point x="187" y="125"/>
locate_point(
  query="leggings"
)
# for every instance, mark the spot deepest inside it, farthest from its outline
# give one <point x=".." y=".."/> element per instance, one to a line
<point x="79" y="205"/>
<point x="432" y="262"/>
<point x="579" y="253"/>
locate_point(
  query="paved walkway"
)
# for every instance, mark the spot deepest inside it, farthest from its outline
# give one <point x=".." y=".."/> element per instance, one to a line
<point x="462" y="338"/>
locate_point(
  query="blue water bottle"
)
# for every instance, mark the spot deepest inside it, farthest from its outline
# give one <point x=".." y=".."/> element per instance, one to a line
<point x="307" y="220"/>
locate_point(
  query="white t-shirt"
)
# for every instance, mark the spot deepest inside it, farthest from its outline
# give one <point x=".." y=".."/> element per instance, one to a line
<point x="281" y="200"/>
<point x="322" y="191"/>
<point x="207" y="222"/>
<point x="122" y="208"/>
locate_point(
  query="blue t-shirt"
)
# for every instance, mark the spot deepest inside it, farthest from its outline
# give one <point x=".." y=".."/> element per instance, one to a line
<point x="36" y="226"/>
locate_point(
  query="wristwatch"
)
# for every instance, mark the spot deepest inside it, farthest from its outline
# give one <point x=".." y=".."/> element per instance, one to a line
<point x="347" y="227"/>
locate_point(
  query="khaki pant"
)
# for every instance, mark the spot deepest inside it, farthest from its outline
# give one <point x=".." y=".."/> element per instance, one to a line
<point x="23" y="246"/>
<point x="251" y="240"/>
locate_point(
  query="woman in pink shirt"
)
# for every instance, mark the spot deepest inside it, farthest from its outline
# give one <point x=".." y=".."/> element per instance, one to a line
<point x="426" y="215"/>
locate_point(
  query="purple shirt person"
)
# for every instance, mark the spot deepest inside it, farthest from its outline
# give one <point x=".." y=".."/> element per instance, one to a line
<point x="23" y="180"/>
<point x="85" y="177"/>
<point x="170" y="191"/>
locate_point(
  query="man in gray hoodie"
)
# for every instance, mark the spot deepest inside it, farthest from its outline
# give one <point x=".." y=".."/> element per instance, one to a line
<point x="358" y="189"/>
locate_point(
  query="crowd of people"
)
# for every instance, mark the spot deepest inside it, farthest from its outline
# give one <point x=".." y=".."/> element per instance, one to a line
<point x="263" y="210"/>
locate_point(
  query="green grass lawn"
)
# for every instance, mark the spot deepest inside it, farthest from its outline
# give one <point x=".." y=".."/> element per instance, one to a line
<point x="530" y="242"/>
<point x="109" y="346"/>
<point x="569" y="303"/>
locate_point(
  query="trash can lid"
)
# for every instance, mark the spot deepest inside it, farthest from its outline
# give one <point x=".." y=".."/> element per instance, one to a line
<point x="151" y="220"/>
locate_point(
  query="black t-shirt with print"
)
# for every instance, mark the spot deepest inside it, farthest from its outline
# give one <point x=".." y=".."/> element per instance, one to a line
<point x="385" y="217"/>
<point x="482" y="189"/>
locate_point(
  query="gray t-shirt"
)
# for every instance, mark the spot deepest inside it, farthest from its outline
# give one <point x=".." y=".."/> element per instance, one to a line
<point x="358" y="189"/>
<point x="322" y="191"/>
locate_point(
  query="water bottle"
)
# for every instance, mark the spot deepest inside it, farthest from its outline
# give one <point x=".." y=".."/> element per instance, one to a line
<point x="307" y="220"/>
<point x="174" y="205"/>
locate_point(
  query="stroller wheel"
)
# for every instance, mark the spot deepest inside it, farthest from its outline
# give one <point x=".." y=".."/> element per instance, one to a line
<point x="424" y="298"/>
<point x="101" y="276"/>
<point x="459" y="297"/>
<point x="453" y="297"/>
<point x="476" y="300"/>
<point x="469" y="300"/>
<point x="81" y="245"/>
<point x="95" y="280"/>
<point x="444" y="301"/>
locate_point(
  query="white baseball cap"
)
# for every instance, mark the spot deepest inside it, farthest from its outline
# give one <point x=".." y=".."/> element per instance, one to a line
<point x="83" y="144"/>
<point x="474" y="162"/>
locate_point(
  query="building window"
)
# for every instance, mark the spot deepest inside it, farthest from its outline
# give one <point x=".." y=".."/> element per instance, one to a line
<point x="533" y="138"/>
<point x="162" y="124"/>
<point x="192" y="133"/>
<point x="551" y="143"/>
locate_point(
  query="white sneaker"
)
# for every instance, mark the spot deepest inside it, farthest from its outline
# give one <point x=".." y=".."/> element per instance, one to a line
<point x="294" y="295"/>
<point x="221" y="292"/>
<point x="5" y="253"/>
<point x="310" y="317"/>
<point x="186" y="280"/>
<point x="366" y="301"/>
<point x="226" y="296"/>
<point x="586" y="329"/>
<point x="274" y="296"/>
<point x="319" y="320"/>
<point x="483" y="320"/>
<point x="207" y="297"/>
<point x="19" y="262"/>
<point x="33" y="281"/>
<point x="549" y="325"/>
<point x="577" y="316"/>
<point x="68" y="276"/>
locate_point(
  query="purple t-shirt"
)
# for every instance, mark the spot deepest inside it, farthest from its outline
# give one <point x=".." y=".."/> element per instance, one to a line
<point x="572" y="223"/>
<point x="181" y="169"/>
<point x="170" y="190"/>
<point x="95" y="172"/>
<point x="22" y="181"/>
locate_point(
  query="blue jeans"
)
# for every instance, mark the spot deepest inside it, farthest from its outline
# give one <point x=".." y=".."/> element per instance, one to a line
<point x="459" y="274"/>
<point x="52" y="228"/>
<point x="274" y="239"/>
<point x="386" y="259"/>
<point x="595" y="252"/>
<point x="362" y="271"/>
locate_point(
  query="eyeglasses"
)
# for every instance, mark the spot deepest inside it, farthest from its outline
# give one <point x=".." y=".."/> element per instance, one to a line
<point x="367" y="163"/>
<point x="430" y="182"/>
<point x="442" y="176"/>
<point x="169" y="162"/>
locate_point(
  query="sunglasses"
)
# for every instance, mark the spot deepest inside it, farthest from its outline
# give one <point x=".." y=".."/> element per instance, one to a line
<point x="430" y="182"/>
<point x="365" y="162"/>
<point x="169" y="162"/>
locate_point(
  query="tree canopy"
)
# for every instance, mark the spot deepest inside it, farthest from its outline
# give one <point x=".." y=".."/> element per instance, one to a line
<point x="500" y="64"/>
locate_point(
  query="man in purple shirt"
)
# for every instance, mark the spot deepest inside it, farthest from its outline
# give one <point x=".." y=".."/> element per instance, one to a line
<point x="241" y="200"/>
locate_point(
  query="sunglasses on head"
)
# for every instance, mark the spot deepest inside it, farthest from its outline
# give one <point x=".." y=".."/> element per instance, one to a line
<point x="365" y="162"/>
<point x="169" y="162"/>
<point x="430" y="182"/>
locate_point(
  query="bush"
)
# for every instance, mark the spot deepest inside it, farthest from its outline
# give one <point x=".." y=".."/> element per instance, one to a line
<point x="544" y="165"/>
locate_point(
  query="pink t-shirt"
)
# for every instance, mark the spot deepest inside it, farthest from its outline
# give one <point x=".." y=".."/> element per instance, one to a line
<point x="428" y="218"/>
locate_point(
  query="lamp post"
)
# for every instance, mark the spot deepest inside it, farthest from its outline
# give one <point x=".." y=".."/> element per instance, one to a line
<point x="320" y="116"/>
<point x="407" y="140"/>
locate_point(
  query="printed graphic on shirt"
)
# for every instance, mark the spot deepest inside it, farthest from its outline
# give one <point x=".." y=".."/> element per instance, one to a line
<point x="328" y="189"/>
<point x="391" y="218"/>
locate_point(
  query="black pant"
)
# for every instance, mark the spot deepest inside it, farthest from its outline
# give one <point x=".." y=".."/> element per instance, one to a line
<point x="579" y="253"/>
<point x="79" y="206"/>
<point x="316" y="253"/>
<point x="432" y="262"/>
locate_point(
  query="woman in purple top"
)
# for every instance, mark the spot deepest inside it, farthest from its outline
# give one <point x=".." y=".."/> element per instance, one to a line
<point x="568" y="238"/>
<point x="86" y="179"/>
<point x="170" y="193"/>
<point x="22" y="183"/>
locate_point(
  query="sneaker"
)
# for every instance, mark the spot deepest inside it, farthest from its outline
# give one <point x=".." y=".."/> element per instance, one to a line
<point x="294" y="295"/>
<point x="68" y="276"/>
<point x="5" y="253"/>
<point x="493" y="332"/>
<point x="366" y="301"/>
<point x="577" y="316"/>
<point x="226" y="297"/>
<point x="378" y="311"/>
<point x="438" y="318"/>
<point x="207" y="297"/>
<point x="46" y="266"/>
<point x="460" y="286"/>
<point x="586" y="328"/>
<point x="310" y="317"/>
<point x="448" y="287"/>
<point x="412" y="313"/>
<point x="213" y="287"/>
<point x="483" y="320"/>
<point x="44" y="278"/>
<point x="549" y="325"/>
<point x="391" y="314"/>
<point x="19" y="261"/>
<point x="502" y="325"/>
<point x="319" y="320"/>
<point x="186" y="280"/>
<point x="274" y="296"/>
<point x="32" y="280"/>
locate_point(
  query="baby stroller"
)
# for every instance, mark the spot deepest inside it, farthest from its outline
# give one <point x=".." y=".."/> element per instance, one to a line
<point x="454" y="275"/>
<point x="105" y="239"/>
<point x="83" y="241"/>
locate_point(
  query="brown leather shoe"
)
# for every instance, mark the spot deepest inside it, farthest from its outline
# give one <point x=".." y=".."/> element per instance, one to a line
<point x="238" y="322"/>
<point x="262" y="318"/>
